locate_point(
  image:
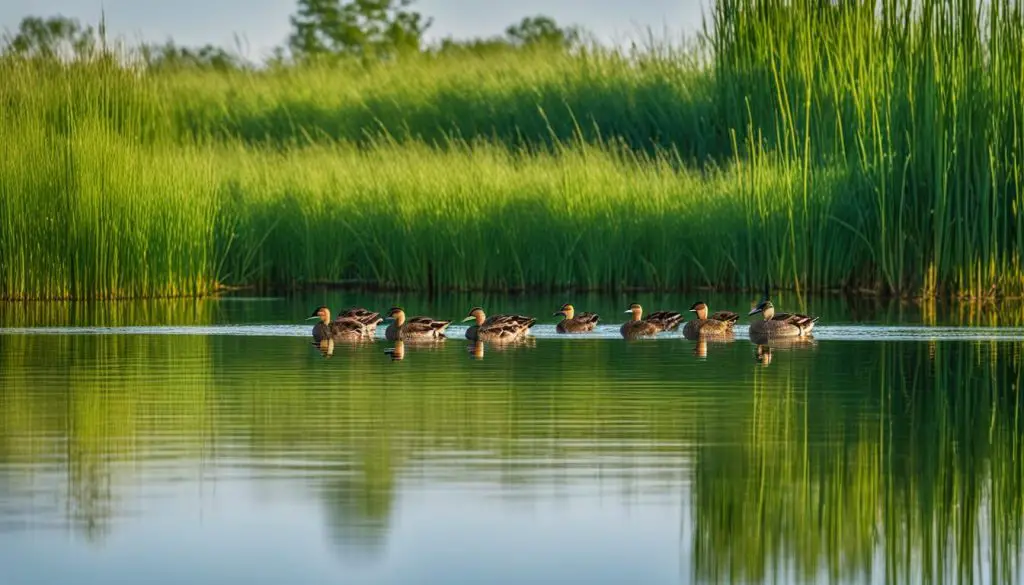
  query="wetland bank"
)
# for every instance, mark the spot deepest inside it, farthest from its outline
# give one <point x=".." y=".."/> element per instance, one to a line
<point x="815" y="146"/>
<point x="818" y="147"/>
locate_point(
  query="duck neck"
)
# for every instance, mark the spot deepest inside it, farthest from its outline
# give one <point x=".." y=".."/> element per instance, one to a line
<point x="325" y="317"/>
<point x="636" y="314"/>
<point x="479" y="319"/>
<point x="569" y="313"/>
<point x="400" y="318"/>
<point x="769" y="313"/>
<point x="702" y="313"/>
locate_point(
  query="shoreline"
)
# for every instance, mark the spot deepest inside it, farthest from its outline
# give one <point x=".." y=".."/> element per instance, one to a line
<point x="858" y="293"/>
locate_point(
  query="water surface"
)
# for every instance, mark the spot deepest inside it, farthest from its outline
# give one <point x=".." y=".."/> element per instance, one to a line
<point x="210" y="442"/>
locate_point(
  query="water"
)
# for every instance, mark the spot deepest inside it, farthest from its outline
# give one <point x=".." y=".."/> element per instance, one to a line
<point x="210" y="442"/>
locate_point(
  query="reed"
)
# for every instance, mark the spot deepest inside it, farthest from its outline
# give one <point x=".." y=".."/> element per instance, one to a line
<point x="870" y="146"/>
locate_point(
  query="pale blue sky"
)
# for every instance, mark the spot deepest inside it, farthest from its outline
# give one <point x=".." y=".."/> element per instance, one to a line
<point x="264" y="23"/>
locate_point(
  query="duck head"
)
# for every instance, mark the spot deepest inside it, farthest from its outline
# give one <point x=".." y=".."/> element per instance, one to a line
<point x="398" y="314"/>
<point x="322" y="313"/>
<point x="566" y="311"/>
<point x="701" y="308"/>
<point x="636" y="310"/>
<point x="766" y="308"/>
<point x="476" y="313"/>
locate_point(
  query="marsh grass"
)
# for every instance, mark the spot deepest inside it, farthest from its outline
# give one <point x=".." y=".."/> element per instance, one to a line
<point x="869" y="147"/>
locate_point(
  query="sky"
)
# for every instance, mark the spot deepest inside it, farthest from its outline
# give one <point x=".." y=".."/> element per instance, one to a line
<point x="263" y="24"/>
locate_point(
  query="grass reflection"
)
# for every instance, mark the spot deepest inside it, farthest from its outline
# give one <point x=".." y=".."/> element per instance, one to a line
<point x="927" y="475"/>
<point x="840" y="459"/>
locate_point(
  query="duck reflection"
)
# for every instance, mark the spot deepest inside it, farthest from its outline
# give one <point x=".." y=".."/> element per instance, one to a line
<point x="397" y="352"/>
<point x="763" y="351"/>
<point x="325" y="347"/>
<point x="700" y="348"/>
<point x="476" y="349"/>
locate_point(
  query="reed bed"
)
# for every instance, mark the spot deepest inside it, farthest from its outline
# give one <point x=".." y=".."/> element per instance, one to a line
<point x="870" y="146"/>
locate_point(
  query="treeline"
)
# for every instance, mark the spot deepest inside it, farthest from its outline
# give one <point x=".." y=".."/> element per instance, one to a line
<point x="322" y="31"/>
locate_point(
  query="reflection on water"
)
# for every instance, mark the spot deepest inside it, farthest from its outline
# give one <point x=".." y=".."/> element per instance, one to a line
<point x="590" y="459"/>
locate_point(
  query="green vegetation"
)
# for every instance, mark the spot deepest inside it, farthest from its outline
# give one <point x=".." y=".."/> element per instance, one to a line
<point x="816" y="146"/>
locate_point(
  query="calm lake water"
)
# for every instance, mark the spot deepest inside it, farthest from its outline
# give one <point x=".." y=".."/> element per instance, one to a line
<point x="209" y="442"/>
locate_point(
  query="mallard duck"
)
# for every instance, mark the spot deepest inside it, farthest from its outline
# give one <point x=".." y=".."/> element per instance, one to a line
<point x="720" y="323"/>
<point x="339" y="329"/>
<point x="573" y="323"/>
<point x="781" y="324"/>
<point x="368" y="318"/>
<point x="654" y="323"/>
<point x="498" y="328"/>
<point x="414" y="328"/>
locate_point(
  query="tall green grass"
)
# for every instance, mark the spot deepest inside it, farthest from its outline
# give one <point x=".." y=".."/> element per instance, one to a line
<point x="869" y="146"/>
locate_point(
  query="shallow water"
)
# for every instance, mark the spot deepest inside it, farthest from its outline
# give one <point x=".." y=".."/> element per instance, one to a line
<point x="210" y="442"/>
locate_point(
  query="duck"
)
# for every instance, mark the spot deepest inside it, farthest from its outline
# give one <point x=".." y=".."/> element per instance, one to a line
<point x="654" y="323"/>
<point x="779" y="324"/>
<point x="414" y="327"/>
<point x="720" y="323"/>
<point x="368" y="318"/>
<point x="497" y="328"/>
<point x="573" y="323"/>
<point x="342" y="328"/>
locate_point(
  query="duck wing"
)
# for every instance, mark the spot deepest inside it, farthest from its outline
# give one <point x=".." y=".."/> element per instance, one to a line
<point x="422" y="325"/>
<point x="795" y="319"/>
<point x="507" y="325"/>
<point x="725" y="316"/>
<point x="364" y="316"/>
<point x="347" y="327"/>
<point x="667" y="320"/>
<point x="587" y="317"/>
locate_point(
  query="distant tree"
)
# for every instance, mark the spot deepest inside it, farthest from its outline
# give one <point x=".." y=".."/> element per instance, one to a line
<point x="537" y="30"/>
<point x="47" y="38"/>
<point x="530" y="31"/>
<point x="365" y="28"/>
<point x="171" y="56"/>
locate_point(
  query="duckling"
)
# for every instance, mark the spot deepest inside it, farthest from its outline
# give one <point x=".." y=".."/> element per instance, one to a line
<point x="781" y="324"/>
<point x="654" y="323"/>
<point x="339" y="329"/>
<point x="575" y="323"/>
<point x="368" y="318"/>
<point x="497" y="328"/>
<point x="414" y="328"/>
<point x="720" y="323"/>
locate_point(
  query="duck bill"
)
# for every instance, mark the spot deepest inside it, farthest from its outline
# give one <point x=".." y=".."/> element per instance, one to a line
<point x="312" y="317"/>
<point x="629" y="311"/>
<point x="755" y="310"/>
<point x="557" y="313"/>
<point x="470" y="318"/>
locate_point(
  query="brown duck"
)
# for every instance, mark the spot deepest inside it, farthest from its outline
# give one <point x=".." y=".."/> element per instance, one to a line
<point x="414" y="328"/>
<point x="720" y="323"/>
<point x="652" y="324"/>
<point x="573" y="323"/>
<point x="776" y="325"/>
<point x="342" y="328"/>
<point x="497" y="328"/>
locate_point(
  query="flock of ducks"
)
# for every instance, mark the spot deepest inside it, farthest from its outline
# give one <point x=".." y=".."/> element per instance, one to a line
<point x="358" y="323"/>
